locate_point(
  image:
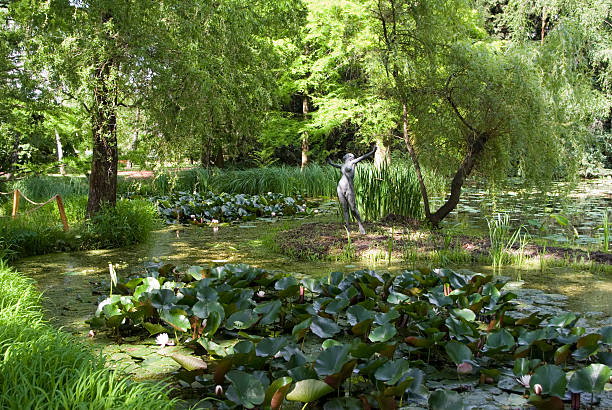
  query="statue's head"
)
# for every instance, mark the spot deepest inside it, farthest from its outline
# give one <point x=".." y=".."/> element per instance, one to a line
<point x="348" y="157"/>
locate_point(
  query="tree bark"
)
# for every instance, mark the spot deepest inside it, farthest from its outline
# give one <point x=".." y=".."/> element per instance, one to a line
<point x="304" y="135"/>
<point x="415" y="161"/>
<point x="103" y="178"/>
<point x="463" y="172"/>
<point x="383" y="152"/>
<point x="60" y="153"/>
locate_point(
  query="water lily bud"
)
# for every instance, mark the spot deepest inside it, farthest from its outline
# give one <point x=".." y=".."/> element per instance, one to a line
<point x="219" y="390"/>
<point x="273" y="214"/>
<point x="92" y="333"/>
<point x="489" y="380"/>
<point x="537" y="389"/>
<point x="464" y="368"/>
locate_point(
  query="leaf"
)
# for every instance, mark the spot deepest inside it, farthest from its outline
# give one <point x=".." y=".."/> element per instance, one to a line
<point x="324" y="328"/>
<point x="343" y="403"/>
<point x="606" y="335"/>
<point x="392" y="371"/>
<point x="270" y="346"/>
<point x="177" y="318"/>
<point x="561" y="220"/>
<point x="163" y="299"/>
<point x="561" y="354"/>
<point x="309" y="390"/>
<point x="551" y="378"/>
<point x="299" y="330"/>
<point x="331" y="360"/>
<point x="465" y="314"/>
<point x="190" y="363"/>
<point x="590" y="379"/>
<point x="445" y="400"/>
<point x="154" y="328"/>
<point x="500" y="340"/>
<point x="524" y="366"/>
<point x="243" y="319"/>
<point x="203" y="309"/>
<point x="357" y="314"/>
<point x="270" y="311"/>
<point x="275" y="394"/>
<point x="564" y="320"/>
<point x="383" y="333"/>
<point x="245" y="389"/>
<point x="458" y="352"/>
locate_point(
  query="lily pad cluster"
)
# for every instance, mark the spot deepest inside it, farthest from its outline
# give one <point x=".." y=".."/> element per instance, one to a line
<point x="184" y="207"/>
<point x="374" y="340"/>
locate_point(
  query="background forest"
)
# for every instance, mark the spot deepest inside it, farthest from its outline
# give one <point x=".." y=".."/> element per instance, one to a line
<point x="500" y="88"/>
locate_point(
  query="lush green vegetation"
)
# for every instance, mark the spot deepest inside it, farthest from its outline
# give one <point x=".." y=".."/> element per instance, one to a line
<point x="41" y="231"/>
<point x="42" y="367"/>
<point x="365" y="335"/>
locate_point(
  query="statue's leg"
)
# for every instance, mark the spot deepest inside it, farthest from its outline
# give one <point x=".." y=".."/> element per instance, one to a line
<point x="345" y="207"/>
<point x="351" y="200"/>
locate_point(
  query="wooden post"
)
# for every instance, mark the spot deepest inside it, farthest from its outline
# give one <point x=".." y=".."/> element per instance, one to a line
<point x="60" y="207"/>
<point x="16" y="194"/>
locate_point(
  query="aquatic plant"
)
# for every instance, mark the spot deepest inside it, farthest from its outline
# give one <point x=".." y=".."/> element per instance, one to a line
<point x="197" y="209"/>
<point x="501" y="239"/>
<point x="364" y="334"/>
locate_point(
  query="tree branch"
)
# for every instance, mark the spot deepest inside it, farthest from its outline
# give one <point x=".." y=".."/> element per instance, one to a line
<point x="449" y="98"/>
<point x="72" y="97"/>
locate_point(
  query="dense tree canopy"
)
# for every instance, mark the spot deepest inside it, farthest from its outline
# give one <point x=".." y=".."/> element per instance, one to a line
<point x="462" y="87"/>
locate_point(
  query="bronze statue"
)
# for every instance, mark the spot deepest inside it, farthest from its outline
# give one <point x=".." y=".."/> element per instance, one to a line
<point x="346" y="191"/>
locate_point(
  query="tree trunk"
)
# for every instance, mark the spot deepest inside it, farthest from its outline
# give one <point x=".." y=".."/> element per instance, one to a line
<point x="60" y="153"/>
<point x="415" y="162"/>
<point x="457" y="183"/>
<point x="304" y="135"/>
<point x="103" y="178"/>
<point x="383" y="152"/>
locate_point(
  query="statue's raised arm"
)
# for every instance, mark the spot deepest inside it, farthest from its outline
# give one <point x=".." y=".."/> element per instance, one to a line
<point x="364" y="156"/>
<point x="329" y="161"/>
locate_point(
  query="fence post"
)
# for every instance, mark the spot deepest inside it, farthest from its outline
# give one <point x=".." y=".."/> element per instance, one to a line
<point x="15" y="203"/>
<point x="60" y="208"/>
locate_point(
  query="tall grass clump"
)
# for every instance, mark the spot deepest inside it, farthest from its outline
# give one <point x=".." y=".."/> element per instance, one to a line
<point x="41" y="231"/>
<point x="392" y="189"/>
<point x="42" y="187"/>
<point x="43" y="368"/>
<point x="165" y="182"/>
<point x="502" y="240"/>
<point x="313" y="181"/>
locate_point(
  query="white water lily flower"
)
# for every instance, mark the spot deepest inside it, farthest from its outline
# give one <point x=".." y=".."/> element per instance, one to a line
<point x="163" y="340"/>
<point x="214" y="221"/>
<point x="273" y="214"/>
<point x="524" y="380"/>
<point x="261" y="294"/>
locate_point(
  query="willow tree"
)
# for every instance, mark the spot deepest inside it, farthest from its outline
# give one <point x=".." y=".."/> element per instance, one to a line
<point x="469" y="105"/>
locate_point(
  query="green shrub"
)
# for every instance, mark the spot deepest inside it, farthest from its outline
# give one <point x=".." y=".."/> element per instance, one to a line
<point x="41" y="231"/>
<point x="127" y="223"/>
<point x="44" y="368"/>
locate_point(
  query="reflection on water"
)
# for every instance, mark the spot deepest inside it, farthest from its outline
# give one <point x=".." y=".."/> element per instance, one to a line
<point x="583" y="205"/>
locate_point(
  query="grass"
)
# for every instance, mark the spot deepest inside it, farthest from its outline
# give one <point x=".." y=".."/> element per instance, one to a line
<point x="41" y="231"/>
<point x="43" y="368"/>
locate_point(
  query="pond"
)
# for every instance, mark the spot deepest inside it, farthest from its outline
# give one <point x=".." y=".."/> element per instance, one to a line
<point x="71" y="281"/>
<point x="583" y="206"/>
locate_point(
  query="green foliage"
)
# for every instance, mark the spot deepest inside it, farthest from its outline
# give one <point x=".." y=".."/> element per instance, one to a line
<point x="369" y="326"/>
<point x="42" y="367"/>
<point x="183" y="207"/>
<point x="41" y="231"/>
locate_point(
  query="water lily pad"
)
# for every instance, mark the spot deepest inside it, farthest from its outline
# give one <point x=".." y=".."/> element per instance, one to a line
<point x="309" y="390"/>
<point x="383" y="333"/>
<point x="590" y="379"/>
<point x="246" y="389"/>
<point x="323" y="327"/>
<point x="445" y="400"/>
<point x="551" y="378"/>
<point x="458" y="352"/>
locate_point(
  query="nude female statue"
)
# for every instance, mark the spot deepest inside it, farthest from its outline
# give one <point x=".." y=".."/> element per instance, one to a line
<point x="346" y="191"/>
